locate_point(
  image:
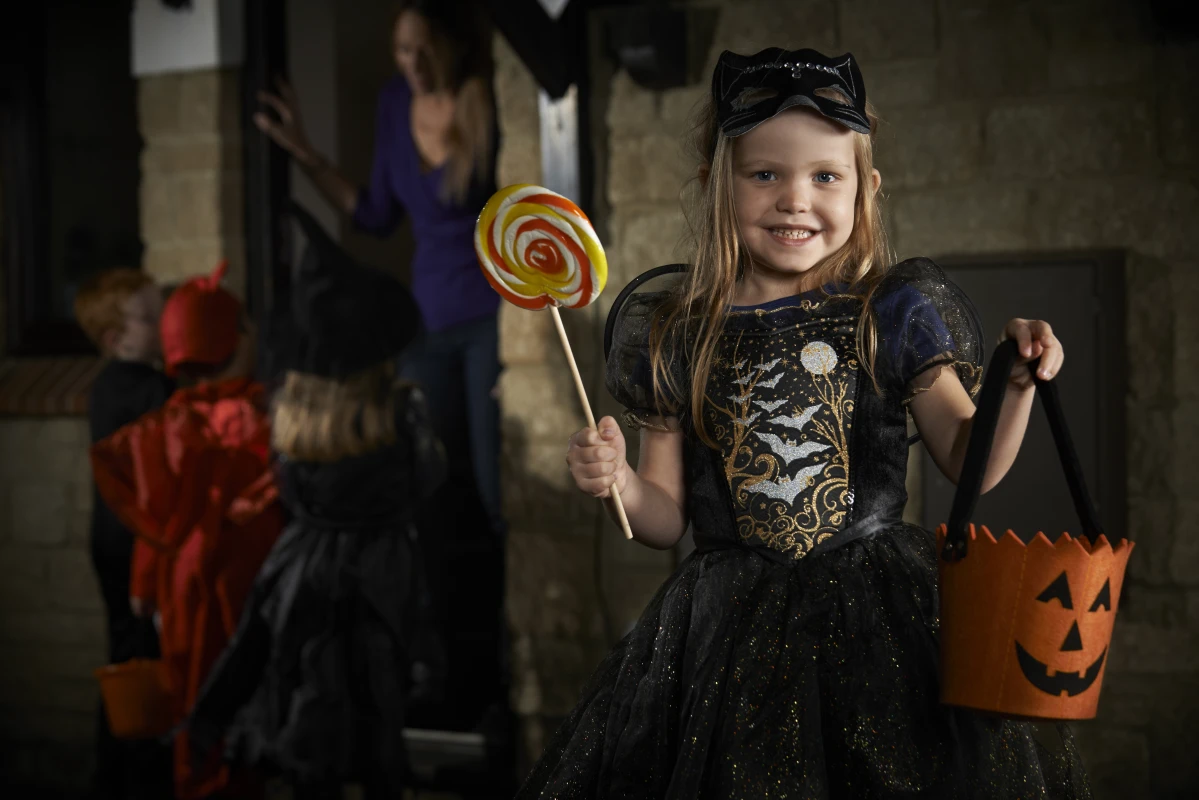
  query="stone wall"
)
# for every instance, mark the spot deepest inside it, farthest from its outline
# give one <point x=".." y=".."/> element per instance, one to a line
<point x="51" y="615"/>
<point x="1008" y="127"/>
<point x="192" y="200"/>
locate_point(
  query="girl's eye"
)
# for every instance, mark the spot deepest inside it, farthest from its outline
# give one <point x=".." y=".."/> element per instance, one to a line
<point x="825" y="177"/>
<point x="764" y="176"/>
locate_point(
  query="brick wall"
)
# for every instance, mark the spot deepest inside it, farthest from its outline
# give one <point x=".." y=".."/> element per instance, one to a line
<point x="1008" y="127"/>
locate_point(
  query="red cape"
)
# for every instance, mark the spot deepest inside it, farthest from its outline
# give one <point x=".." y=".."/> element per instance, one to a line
<point x="193" y="481"/>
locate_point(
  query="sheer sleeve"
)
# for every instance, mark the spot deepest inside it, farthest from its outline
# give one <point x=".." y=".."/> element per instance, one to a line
<point x="630" y="375"/>
<point x="926" y="323"/>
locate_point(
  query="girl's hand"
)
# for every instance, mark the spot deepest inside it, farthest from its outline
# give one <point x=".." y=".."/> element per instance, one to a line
<point x="597" y="459"/>
<point x="288" y="130"/>
<point x="1034" y="339"/>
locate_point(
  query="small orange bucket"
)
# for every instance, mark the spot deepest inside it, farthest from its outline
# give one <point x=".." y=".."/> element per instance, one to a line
<point x="1025" y="629"/>
<point x="137" y="698"/>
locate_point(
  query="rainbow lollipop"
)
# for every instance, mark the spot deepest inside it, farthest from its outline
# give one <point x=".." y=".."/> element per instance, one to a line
<point x="538" y="250"/>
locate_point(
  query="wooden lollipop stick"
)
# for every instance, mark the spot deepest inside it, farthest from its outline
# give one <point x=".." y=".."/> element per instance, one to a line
<point x="574" y="370"/>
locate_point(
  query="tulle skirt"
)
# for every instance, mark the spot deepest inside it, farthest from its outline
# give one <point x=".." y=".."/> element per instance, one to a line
<point x="747" y="678"/>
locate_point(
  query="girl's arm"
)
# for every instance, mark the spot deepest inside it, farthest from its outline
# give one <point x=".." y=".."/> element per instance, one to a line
<point x="944" y="414"/>
<point x="654" y="496"/>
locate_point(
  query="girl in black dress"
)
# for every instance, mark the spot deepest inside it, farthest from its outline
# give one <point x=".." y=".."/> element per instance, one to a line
<point x="794" y="654"/>
<point x="337" y="640"/>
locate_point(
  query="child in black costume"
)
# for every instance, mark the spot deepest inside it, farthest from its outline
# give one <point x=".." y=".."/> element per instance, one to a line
<point x="337" y="636"/>
<point x="795" y="653"/>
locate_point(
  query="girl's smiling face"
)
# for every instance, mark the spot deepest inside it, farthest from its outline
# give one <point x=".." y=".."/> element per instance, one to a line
<point x="795" y="183"/>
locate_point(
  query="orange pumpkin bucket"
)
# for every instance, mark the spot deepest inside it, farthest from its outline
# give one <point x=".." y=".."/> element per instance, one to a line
<point x="1025" y="629"/>
<point x="136" y="698"/>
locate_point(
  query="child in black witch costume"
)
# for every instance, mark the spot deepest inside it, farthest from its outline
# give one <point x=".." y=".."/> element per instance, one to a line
<point x="336" y="638"/>
<point x="794" y="654"/>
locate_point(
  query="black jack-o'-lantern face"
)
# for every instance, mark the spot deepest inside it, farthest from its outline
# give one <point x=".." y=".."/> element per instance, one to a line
<point x="1045" y="676"/>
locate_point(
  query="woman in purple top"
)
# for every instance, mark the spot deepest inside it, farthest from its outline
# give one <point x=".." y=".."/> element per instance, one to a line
<point x="435" y="151"/>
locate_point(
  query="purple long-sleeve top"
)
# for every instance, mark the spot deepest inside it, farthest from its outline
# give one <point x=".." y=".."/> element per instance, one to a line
<point x="446" y="279"/>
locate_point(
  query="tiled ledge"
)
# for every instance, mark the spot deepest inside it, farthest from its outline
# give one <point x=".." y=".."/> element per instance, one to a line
<point x="46" y="387"/>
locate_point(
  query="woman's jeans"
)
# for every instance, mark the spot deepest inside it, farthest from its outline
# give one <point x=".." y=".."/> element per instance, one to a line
<point x="458" y="369"/>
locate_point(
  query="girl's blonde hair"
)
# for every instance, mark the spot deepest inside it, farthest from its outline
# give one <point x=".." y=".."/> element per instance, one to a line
<point x="325" y="419"/>
<point x="694" y="313"/>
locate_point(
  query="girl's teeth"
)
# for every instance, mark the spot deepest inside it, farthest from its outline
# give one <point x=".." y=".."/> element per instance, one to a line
<point x="789" y="234"/>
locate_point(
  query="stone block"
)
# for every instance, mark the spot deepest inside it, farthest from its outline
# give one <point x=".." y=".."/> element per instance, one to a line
<point x="887" y="29"/>
<point x="1185" y="446"/>
<point x="551" y="586"/>
<point x="1042" y="139"/>
<point x="1184" y="289"/>
<point x="158" y="199"/>
<point x="53" y="627"/>
<point x="749" y="26"/>
<point x="1150" y="453"/>
<point x="158" y="105"/>
<point x="69" y="431"/>
<point x="550" y="673"/>
<point x="205" y="152"/>
<point x="977" y="218"/>
<point x="1095" y="67"/>
<point x="544" y="400"/>
<point x="930" y="146"/>
<point x="1184" y="563"/>
<point x="526" y="338"/>
<point x="646" y="169"/>
<point x="1152" y="523"/>
<point x="1162" y="606"/>
<point x="196" y="201"/>
<point x="210" y="101"/>
<point x="23" y="573"/>
<point x="1120" y="212"/>
<point x="900" y="83"/>
<point x="991" y="51"/>
<point x="38" y="512"/>
<point x="56" y="726"/>
<point x="1150" y="338"/>
<point x="55" y="694"/>
<point x="1139" y="648"/>
<point x="646" y="236"/>
<point x="51" y="661"/>
<point x="72" y="581"/>
<point x="1093" y="23"/>
<point x="1178" y="115"/>
<point x="1117" y="760"/>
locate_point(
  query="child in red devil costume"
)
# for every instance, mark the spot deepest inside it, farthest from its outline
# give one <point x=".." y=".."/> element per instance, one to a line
<point x="193" y="481"/>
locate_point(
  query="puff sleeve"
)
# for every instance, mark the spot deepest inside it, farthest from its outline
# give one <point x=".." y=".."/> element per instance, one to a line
<point x="629" y="371"/>
<point x="926" y="324"/>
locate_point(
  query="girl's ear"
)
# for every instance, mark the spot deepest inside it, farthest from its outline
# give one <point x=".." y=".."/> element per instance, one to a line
<point x="704" y="171"/>
<point x="876" y="180"/>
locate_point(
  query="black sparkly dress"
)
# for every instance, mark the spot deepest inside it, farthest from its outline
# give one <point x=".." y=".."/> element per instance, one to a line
<point x="794" y="654"/>
<point x="337" y="640"/>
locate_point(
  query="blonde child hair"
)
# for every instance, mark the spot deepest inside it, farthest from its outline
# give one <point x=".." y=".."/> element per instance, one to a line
<point x="326" y="419"/>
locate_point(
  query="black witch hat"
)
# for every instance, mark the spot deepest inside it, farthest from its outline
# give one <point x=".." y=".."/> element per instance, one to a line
<point x="342" y="317"/>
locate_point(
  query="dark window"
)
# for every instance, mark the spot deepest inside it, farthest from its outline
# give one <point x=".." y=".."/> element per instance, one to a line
<point x="69" y="164"/>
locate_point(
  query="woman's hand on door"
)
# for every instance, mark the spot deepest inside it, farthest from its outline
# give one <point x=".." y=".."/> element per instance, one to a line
<point x="288" y="130"/>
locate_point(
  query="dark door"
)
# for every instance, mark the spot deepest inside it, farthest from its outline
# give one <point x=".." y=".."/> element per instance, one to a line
<point x="1082" y="296"/>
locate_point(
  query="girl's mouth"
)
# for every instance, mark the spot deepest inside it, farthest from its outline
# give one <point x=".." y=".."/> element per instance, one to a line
<point x="792" y="237"/>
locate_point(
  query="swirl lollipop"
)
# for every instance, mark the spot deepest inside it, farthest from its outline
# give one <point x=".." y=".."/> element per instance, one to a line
<point x="538" y="250"/>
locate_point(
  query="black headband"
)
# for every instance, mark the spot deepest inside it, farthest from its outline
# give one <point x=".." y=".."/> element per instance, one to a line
<point x="748" y="90"/>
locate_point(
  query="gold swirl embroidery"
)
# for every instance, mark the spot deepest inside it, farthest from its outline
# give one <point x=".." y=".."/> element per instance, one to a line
<point x="788" y="475"/>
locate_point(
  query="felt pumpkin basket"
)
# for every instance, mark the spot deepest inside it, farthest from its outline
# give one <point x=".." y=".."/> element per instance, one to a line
<point x="136" y="698"/>
<point x="1025" y="628"/>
